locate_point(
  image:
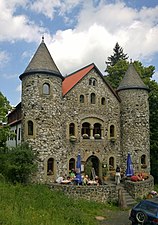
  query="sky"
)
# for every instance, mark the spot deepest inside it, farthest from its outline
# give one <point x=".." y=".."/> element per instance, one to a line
<point x="76" y="32"/>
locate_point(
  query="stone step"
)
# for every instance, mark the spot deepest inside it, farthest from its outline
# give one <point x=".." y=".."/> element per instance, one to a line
<point x="129" y="200"/>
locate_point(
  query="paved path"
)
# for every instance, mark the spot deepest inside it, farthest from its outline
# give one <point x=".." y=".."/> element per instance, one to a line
<point x="119" y="217"/>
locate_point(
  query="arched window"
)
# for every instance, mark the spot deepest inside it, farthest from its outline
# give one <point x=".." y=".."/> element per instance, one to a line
<point x="92" y="81"/>
<point x="97" y="130"/>
<point x="72" y="164"/>
<point x="50" y="166"/>
<point x="81" y="98"/>
<point x="85" y="130"/>
<point x="30" y="127"/>
<point x="111" y="163"/>
<point x="143" y="161"/>
<point x="103" y="101"/>
<point x="112" y="131"/>
<point x="92" y="98"/>
<point x="72" y="129"/>
<point x="46" y="89"/>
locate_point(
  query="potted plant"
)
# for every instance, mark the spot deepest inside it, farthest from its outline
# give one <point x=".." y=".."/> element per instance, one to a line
<point x="85" y="136"/>
<point x="97" y="136"/>
<point x="112" y="139"/>
<point x="72" y="138"/>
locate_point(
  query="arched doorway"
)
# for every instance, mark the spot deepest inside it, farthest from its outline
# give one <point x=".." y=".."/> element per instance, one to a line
<point x="91" y="164"/>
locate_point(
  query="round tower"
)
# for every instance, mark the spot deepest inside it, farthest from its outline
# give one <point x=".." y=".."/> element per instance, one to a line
<point x="41" y="111"/>
<point x="134" y="121"/>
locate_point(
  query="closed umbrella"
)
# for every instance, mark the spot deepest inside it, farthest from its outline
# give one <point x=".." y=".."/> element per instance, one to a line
<point x="129" y="169"/>
<point x="78" y="170"/>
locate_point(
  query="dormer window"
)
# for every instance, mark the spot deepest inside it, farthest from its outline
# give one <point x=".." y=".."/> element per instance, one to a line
<point x="46" y="89"/>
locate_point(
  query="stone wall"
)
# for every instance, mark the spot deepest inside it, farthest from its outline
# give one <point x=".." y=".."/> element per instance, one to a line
<point x="140" y="189"/>
<point x="102" y="193"/>
<point x="106" y="193"/>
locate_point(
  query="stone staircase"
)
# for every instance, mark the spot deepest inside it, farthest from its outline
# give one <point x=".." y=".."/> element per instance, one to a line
<point x="125" y="199"/>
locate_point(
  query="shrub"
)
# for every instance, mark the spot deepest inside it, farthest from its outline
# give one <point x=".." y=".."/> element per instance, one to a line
<point x="20" y="164"/>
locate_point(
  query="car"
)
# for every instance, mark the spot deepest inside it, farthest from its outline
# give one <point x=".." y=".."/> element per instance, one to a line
<point x="145" y="212"/>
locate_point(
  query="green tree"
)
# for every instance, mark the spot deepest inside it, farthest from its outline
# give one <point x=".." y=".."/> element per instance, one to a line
<point x="118" y="54"/>
<point x="19" y="164"/>
<point x="4" y="108"/>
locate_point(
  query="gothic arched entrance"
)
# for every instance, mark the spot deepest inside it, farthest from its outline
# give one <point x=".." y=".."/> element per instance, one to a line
<point x="92" y="164"/>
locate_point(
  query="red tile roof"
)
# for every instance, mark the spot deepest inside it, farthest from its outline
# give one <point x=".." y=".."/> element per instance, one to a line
<point x="71" y="80"/>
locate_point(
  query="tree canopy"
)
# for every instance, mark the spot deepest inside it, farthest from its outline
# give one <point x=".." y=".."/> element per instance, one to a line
<point x="4" y="108"/>
<point x="117" y="55"/>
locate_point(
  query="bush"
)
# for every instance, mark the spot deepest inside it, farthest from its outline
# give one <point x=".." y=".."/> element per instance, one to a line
<point x="19" y="164"/>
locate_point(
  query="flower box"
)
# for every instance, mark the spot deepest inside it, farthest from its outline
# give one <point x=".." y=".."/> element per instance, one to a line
<point x="85" y="136"/>
<point x="97" y="136"/>
<point x="72" y="138"/>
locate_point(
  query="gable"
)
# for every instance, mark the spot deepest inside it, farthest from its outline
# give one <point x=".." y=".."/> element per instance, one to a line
<point x="73" y="79"/>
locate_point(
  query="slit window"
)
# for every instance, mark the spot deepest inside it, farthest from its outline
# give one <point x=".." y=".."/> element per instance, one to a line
<point x="50" y="166"/>
<point x="30" y="127"/>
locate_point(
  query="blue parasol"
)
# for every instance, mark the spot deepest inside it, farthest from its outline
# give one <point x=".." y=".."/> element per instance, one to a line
<point x="78" y="170"/>
<point x="129" y="170"/>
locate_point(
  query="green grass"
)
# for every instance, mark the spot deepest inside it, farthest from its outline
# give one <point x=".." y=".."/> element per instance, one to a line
<point x="38" y="205"/>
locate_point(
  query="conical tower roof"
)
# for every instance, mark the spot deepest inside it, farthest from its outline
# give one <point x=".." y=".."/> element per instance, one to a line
<point x="131" y="80"/>
<point x="42" y="62"/>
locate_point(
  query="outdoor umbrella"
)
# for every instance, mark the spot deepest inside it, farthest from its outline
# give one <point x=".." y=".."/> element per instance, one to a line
<point x="78" y="170"/>
<point x="129" y="170"/>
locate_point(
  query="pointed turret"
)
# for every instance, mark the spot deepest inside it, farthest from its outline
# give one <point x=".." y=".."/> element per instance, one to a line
<point x="134" y="119"/>
<point x="131" y="80"/>
<point x="42" y="62"/>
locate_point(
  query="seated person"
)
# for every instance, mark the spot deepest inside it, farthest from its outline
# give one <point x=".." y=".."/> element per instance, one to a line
<point x="85" y="180"/>
<point x="98" y="180"/>
<point x="67" y="181"/>
<point x="59" y="180"/>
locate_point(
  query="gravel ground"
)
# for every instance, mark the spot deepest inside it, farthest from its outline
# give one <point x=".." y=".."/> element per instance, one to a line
<point x="119" y="217"/>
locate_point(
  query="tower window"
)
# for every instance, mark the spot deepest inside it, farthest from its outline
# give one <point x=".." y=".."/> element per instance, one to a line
<point x="46" y="89"/>
<point x="30" y="127"/>
<point x="50" y="166"/>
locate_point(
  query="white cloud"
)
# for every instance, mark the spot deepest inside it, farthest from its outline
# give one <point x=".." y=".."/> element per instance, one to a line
<point x="17" y="27"/>
<point x="4" y="58"/>
<point x="97" y="32"/>
<point x="52" y="7"/>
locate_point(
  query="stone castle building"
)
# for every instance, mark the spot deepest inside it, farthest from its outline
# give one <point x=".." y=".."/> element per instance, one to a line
<point x="80" y="113"/>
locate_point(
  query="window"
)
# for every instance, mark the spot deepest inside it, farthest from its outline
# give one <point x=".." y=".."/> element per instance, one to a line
<point x="81" y="98"/>
<point x="103" y="101"/>
<point x="112" y="131"/>
<point x="46" y="89"/>
<point x="111" y="163"/>
<point x="72" y="164"/>
<point x="19" y="134"/>
<point x="143" y="161"/>
<point x="92" y="81"/>
<point x="92" y="98"/>
<point x="97" y="130"/>
<point x="30" y="127"/>
<point x="85" y="129"/>
<point x="72" y="129"/>
<point x="50" y="166"/>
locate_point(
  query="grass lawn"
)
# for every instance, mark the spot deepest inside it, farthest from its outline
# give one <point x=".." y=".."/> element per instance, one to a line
<point x="38" y="205"/>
